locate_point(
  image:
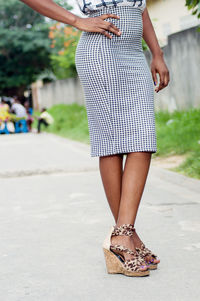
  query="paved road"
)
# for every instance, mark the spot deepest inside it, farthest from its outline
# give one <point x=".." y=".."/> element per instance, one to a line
<point x="54" y="217"/>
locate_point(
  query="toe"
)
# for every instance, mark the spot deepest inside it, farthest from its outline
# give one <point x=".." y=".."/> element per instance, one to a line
<point x="143" y="268"/>
<point x="156" y="260"/>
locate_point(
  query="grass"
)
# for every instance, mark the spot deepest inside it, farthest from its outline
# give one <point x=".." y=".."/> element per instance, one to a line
<point x="70" y="122"/>
<point x="177" y="133"/>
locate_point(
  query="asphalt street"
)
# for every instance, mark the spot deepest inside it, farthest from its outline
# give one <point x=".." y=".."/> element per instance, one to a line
<point x="54" y="217"/>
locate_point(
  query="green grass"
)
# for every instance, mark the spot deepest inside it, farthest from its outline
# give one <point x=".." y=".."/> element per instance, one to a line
<point x="177" y="132"/>
<point x="70" y="122"/>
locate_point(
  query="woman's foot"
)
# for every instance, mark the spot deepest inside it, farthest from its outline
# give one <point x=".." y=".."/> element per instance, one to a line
<point x="150" y="258"/>
<point x="128" y="243"/>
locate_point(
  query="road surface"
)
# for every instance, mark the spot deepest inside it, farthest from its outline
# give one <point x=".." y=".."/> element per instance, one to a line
<point x="54" y="218"/>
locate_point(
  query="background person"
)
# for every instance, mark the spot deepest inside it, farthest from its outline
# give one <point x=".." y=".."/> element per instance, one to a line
<point x="4" y="114"/>
<point x="45" y="118"/>
<point x="18" y="109"/>
<point x="29" y="112"/>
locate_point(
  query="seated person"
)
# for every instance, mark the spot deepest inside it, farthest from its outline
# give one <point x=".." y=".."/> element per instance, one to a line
<point x="44" y="118"/>
<point x="29" y="112"/>
<point x="4" y="112"/>
<point x="18" y="109"/>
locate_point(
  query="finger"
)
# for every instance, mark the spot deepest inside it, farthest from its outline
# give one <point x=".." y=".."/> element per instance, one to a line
<point x="154" y="76"/>
<point x="105" y="33"/>
<point x="108" y="26"/>
<point x="111" y="26"/>
<point x="105" y="16"/>
<point x="166" y="79"/>
<point x="161" y="84"/>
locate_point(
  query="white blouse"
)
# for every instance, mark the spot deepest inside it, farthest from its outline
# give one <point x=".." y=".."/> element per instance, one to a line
<point x="87" y="5"/>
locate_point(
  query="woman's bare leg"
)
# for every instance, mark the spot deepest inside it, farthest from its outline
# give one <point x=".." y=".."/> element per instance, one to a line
<point x="133" y="182"/>
<point x="111" y="170"/>
<point x="124" y="189"/>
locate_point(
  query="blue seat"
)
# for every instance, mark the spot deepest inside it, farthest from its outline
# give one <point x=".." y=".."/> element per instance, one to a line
<point x="21" y="126"/>
<point x="5" y="130"/>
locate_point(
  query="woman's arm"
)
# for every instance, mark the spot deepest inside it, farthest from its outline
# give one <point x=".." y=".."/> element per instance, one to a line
<point x="50" y="9"/>
<point x="158" y="64"/>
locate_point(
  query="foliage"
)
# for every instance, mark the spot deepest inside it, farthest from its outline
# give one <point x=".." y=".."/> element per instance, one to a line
<point x="144" y="45"/>
<point x="24" y="46"/>
<point x="191" y="166"/>
<point x="178" y="132"/>
<point x="70" y="121"/>
<point x="64" y="4"/>
<point x="194" y="5"/>
<point x="64" y="43"/>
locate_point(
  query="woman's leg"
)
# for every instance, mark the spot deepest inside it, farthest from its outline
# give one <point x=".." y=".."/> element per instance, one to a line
<point x="133" y="182"/>
<point x="111" y="170"/>
<point x="124" y="189"/>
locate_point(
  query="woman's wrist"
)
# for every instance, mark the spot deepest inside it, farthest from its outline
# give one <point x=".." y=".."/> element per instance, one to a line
<point x="75" y="21"/>
<point x="70" y="19"/>
<point x="157" y="53"/>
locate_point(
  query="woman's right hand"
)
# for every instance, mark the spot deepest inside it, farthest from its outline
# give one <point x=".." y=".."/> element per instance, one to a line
<point x="98" y="24"/>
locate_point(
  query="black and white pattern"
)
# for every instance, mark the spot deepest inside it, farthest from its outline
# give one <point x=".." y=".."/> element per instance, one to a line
<point x="118" y="86"/>
<point x="88" y="5"/>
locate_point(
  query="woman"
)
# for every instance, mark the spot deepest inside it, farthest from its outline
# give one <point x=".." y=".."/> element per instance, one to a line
<point x="119" y="94"/>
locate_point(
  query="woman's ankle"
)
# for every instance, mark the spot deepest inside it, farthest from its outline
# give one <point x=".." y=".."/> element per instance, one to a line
<point x="136" y="239"/>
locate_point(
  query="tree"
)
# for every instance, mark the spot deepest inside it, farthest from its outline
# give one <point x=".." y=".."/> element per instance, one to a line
<point x="64" y="43"/>
<point x="24" y="46"/>
<point x="194" y="5"/>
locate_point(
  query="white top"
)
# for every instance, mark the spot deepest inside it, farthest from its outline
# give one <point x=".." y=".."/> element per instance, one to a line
<point x="47" y="117"/>
<point x="19" y="110"/>
<point x="87" y="5"/>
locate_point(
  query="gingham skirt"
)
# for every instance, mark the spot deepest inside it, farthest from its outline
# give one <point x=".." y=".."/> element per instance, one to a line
<point x="118" y="86"/>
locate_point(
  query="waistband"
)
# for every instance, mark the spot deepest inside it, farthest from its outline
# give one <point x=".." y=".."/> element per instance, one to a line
<point x="112" y="10"/>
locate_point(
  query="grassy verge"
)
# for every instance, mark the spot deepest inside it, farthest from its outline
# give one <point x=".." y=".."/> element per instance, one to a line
<point x="70" y="122"/>
<point x="177" y="133"/>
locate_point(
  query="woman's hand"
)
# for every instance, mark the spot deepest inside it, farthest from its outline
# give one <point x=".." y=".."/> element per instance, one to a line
<point x="158" y="66"/>
<point x="98" y="24"/>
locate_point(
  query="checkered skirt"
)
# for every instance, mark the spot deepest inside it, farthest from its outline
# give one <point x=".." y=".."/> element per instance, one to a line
<point x="118" y="86"/>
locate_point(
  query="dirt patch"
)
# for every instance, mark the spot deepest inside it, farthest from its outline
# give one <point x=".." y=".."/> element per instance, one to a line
<point x="168" y="162"/>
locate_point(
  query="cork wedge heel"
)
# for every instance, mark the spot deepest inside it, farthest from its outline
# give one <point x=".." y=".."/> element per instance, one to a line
<point x="114" y="266"/>
<point x="115" y="261"/>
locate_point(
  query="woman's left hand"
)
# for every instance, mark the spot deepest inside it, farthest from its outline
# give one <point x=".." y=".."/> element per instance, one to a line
<point x="158" y="66"/>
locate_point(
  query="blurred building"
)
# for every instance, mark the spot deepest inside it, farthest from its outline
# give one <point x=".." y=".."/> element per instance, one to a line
<point x="170" y="16"/>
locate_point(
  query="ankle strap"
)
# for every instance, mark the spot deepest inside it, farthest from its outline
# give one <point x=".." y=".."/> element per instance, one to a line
<point x="125" y="229"/>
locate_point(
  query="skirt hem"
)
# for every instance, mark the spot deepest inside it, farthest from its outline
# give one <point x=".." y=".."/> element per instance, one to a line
<point x="103" y="154"/>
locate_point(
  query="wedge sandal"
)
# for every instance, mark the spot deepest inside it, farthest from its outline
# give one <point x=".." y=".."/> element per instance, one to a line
<point x="115" y="262"/>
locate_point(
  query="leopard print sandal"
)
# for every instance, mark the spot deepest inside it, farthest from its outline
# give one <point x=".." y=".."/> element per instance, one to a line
<point x="116" y="263"/>
<point x="144" y="252"/>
